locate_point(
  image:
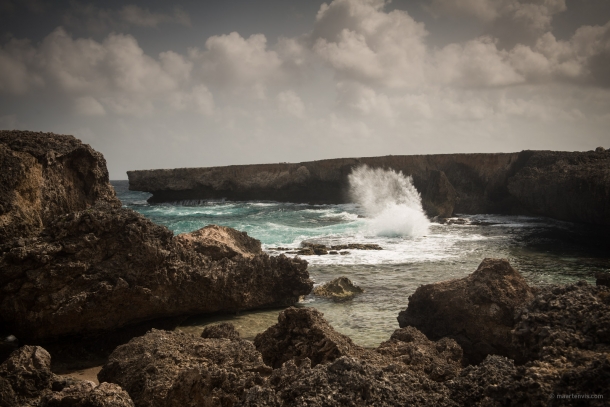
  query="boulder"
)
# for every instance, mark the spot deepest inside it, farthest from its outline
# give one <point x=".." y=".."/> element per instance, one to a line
<point x="476" y="311"/>
<point x="224" y="330"/>
<point x="43" y="175"/>
<point x="26" y="380"/>
<point x="219" y="242"/>
<point x="303" y="333"/>
<point x="104" y="268"/>
<point x="165" y="368"/>
<point x="339" y="289"/>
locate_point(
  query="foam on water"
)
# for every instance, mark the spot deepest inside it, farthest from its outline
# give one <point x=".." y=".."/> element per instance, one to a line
<point x="389" y="200"/>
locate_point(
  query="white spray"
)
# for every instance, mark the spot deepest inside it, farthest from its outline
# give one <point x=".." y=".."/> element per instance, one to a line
<point x="389" y="200"/>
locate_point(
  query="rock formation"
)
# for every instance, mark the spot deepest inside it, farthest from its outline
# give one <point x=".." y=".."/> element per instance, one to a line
<point x="81" y="265"/>
<point x="26" y="380"/>
<point x="165" y="368"/>
<point x="568" y="186"/>
<point x="339" y="289"/>
<point x="476" y="311"/>
<point x="44" y="175"/>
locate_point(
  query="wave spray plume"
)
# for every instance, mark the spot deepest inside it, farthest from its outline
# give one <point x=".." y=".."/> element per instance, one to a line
<point x="389" y="200"/>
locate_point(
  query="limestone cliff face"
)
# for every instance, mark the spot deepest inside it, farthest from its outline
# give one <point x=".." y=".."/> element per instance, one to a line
<point x="568" y="186"/>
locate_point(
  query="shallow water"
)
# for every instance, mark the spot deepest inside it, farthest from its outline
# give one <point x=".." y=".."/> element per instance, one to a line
<point x="544" y="250"/>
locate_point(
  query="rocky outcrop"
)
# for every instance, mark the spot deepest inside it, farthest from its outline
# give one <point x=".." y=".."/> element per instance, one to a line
<point x="165" y="368"/>
<point x="103" y="268"/>
<point x="44" y="175"/>
<point x="439" y="361"/>
<point x="26" y="380"/>
<point x="573" y="316"/>
<point x="339" y="289"/>
<point x="564" y="185"/>
<point x="303" y="333"/>
<point x="80" y="265"/>
<point x="567" y="186"/>
<point x="219" y="242"/>
<point x="476" y="311"/>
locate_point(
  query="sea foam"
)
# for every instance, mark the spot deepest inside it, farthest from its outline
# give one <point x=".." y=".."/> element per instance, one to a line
<point x="390" y="202"/>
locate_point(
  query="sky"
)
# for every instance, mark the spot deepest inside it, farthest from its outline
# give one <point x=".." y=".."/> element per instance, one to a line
<point x="156" y="84"/>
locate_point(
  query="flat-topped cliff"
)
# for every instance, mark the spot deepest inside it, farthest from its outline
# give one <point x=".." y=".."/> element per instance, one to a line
<point x="572" y="186"/>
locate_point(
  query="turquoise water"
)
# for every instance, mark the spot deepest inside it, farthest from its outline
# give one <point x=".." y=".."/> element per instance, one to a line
<point x="544" y="250"/>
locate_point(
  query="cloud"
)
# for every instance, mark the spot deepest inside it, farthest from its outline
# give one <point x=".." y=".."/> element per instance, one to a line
<point x="363" y="43"/>
<point x="90" y="18"/>
<point x="89" y="106"/>
<point x="289" y="102"/>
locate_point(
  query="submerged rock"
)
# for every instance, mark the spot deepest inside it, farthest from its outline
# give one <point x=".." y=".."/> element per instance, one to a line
<point x="165" y="368"/>
<point x="224" y="330"/>
<point x="339" y="289"/>
<point x="476" y="311"/>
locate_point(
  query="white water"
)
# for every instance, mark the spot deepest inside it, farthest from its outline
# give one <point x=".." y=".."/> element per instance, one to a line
<point x="390" y="201"/>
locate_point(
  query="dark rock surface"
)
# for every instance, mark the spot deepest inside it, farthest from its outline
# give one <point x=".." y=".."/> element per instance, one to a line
<point x="476" y="311"/>
<point x="303" y="333"/>
<point x="224" y="330"/>
<point x="339" y="289"/>
<point x="568" y="186"/>
<point x="574" y="315"/>
<point x="43" y="175"/>
<point x="439" y="361"/>
<point x="346" y="381"/>
<point x="573" y="186"/>
<point x="81" y="265"/>
<point x="165" y="368"/>
<point x="101" y="269"/>
<point x="26" y="380"/>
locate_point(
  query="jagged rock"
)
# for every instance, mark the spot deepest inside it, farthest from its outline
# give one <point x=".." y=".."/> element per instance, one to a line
<point x="165" y="368"/>
<point x="357" y="246"/>
<point x="346" y="382"/>
<point x="43" y="175"/>
<point x="303" y="333"/>
<point x="220" y="242"/>
<point x="476" y="311"/>
<point x="224" y="330"/>
<point x="574" y="315"/>
<point x="26" y="380"/>
<point x="104" y="268"/>
<point x="339" y="289"/>
<point x="25" y="377"/>
<point x="439" y="361"/>
<point x="87" y="394"/>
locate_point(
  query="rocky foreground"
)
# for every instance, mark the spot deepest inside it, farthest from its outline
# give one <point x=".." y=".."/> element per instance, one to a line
<point x="561" y="335"/>
<point x="74" y="263"/>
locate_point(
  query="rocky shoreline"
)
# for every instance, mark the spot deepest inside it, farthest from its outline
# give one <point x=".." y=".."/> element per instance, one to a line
<point x="79" y="273"/>
<point x="570" y="186"/>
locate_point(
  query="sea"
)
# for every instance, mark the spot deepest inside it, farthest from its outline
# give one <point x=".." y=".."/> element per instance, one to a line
<point x="386" y="211"/>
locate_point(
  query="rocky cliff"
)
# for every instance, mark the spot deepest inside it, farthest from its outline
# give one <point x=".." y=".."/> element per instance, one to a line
<point x="568" y="186"/>
<point x="73" y="263"/>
